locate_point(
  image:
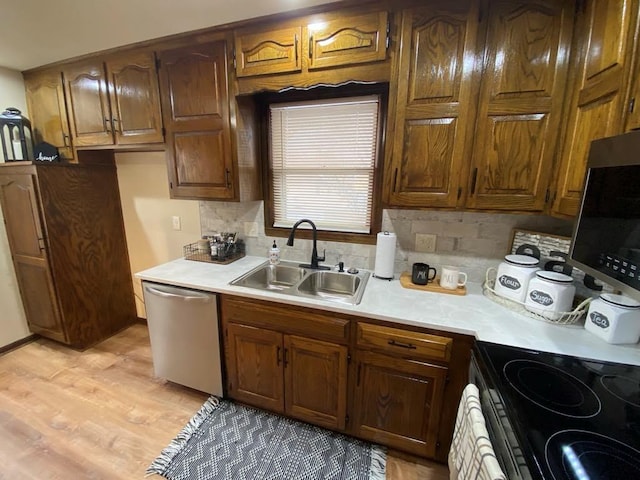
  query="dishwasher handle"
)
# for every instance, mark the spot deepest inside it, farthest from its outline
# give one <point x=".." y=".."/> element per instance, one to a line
<point x="192" y="297"/>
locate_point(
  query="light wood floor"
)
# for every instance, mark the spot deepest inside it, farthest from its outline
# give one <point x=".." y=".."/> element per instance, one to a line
<point x="100" y="414"/>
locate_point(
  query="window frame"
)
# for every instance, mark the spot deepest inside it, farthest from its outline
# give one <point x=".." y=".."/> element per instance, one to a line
<point x="319" y="93"/>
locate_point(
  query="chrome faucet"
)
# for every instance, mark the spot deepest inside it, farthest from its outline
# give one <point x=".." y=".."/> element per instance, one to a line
<point x="314" y="254"/>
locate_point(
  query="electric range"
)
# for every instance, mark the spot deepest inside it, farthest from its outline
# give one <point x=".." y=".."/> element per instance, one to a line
<point x="556" y="417"/>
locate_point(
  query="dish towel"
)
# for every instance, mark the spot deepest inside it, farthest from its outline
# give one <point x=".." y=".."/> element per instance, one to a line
<point x="471" y="455"/>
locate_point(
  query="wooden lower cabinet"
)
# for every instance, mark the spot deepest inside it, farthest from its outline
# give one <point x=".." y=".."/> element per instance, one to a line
<point x="315" y="381"/>
<point x="398" y="402"/>
<point x="255" y="366"/>
<point x="378" y="381"/>
<point x="300" y="377"/>
<point x="66" y="235"/>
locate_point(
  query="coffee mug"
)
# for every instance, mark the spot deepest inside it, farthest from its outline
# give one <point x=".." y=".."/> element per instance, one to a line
<point x="452" y="278"/>
<point x="420" y="273"/>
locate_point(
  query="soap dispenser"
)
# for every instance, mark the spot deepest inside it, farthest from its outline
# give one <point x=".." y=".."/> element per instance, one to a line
<point x="274" y="254"/>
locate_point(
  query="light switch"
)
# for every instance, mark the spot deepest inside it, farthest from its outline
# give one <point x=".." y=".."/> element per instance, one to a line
<point x="177" y="223"/>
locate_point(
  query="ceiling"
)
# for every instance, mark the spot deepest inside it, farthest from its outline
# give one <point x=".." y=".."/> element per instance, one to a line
<point x="38" y="32"/>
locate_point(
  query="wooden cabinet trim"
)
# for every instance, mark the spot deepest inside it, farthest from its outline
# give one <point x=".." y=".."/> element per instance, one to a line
<point x="287" y="319"/>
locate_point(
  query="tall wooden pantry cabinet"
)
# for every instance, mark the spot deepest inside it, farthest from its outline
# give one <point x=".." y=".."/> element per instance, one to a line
<point x="66" y="234"/>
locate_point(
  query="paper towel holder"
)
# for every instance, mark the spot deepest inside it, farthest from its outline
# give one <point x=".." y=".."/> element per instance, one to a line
<point x="383" y="277"/>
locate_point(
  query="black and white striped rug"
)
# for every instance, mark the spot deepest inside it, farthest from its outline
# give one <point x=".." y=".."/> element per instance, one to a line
<point x="227" y="441"/>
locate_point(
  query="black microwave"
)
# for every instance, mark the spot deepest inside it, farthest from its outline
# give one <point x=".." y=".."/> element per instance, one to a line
<point x="606" y="236"/>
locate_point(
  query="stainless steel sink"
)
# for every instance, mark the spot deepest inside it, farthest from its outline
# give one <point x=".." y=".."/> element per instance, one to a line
<point x="271" y="277"/>
<point x="335" y="286"/>
<point x="291" y="279"/>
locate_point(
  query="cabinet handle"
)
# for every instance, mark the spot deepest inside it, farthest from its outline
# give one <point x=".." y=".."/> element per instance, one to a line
<point x="227" y="176"/>
<point x="295" y="47"/>
<point x="395" y="179"/>
<point x="474" y="179"/>
<point x="632" y="104"/>
<point x="286" y="362"/>
<point x="114" y="122"/>
<point x="278" y="358"/>
<point x="107" y="125"/>
<point x="410" y="346"/>
<point x="311" y="46"/>
<point x="66" y="140"/>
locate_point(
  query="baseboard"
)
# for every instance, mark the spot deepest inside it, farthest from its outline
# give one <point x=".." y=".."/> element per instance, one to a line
<point x="141" y="320"/>
<point x="18" y="343"/>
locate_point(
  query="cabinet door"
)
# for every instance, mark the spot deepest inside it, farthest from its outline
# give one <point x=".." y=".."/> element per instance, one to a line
<point x="315" y="381"/>
<point x="47" y="110"/>
<point x="349" y="40"/>
<point x="520" y="103"/>
<point x="398" y="402"/>
<point x="435" y="105"/>
<point x="135" y="99"/>
<point x="597" y="106"/>
<point x="88" y="104"/>
<point x="633" y="115"/>
<point x="28" y="249"/>
<point x="255" y="367"/>
<point x="267" y="52"/>
<point x="195" y="104"/>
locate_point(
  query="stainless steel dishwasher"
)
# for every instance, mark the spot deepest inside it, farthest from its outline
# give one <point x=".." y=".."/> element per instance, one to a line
<point x="183" y="328"/>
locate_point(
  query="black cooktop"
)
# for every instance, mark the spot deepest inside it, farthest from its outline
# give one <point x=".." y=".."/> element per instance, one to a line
<point x="574" y="418"/>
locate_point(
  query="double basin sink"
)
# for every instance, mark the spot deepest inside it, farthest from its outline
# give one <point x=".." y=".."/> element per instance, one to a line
<point x="292" y="279"/>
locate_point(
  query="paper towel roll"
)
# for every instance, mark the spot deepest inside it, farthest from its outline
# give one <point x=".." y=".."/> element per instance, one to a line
<point x="385" y="255"/>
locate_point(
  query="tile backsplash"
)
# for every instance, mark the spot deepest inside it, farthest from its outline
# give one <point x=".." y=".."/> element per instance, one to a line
<point x="473" y="241"/>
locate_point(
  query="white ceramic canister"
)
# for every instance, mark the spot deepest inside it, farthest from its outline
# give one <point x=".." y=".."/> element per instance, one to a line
<point x="514" y="274"/>
<point x="550" y="294"/>
<point x="614" y="318"/>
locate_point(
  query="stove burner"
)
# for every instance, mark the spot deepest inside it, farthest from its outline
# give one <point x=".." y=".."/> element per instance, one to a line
<point x="580" y="455"/>
<point x="552" y="389"/>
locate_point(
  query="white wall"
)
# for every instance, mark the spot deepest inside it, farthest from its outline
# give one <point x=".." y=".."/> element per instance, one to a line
<point x="148" y="211"/>
<point x="13" y="325"/>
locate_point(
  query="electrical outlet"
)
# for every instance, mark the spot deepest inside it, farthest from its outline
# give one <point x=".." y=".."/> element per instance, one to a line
<point x="177" y="224"/>
<point x="425" y="242"/>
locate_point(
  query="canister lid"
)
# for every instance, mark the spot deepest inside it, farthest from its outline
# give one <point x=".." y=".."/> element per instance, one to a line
<point x="554" y="276"/>
<point x="522" y="260"/>
<point x="620" y="300"/>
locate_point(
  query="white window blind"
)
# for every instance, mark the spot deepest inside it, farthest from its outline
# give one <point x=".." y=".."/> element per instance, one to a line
<point x="323" y="155"/>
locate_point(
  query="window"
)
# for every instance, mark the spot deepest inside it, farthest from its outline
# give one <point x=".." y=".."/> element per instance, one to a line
<point x="322" y="163"/>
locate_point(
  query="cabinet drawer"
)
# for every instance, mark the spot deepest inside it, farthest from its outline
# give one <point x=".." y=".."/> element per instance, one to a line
<point x="404" y="342"/>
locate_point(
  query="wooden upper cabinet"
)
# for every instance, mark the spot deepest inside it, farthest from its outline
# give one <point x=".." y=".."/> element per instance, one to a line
<point x="434" y="105"/>
<point x="633" y="115"/>
<point x="520" y="105"/>
<point x="88" y="104"/>
<point x="195" y="104"/>
<point x="602" y="65"/>
<point x="135" y="99"/>
<point x="114" y="103"/>
<point x="348" y="40"/>
<point x="48" y="111"/>
<point x="338" y="41"/>
<point x="269" y="51"/>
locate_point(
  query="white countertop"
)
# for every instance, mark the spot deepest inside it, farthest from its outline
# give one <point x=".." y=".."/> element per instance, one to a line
<point x="472" y="314"/>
